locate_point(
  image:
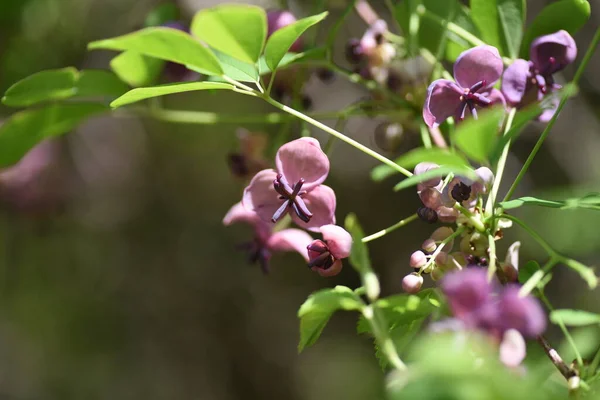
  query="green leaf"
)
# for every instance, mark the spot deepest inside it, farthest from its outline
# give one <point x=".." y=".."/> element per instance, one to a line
<point x="162" y="14"/>
<point x="136" y="69"/>
<point x="528" y="270"/>
<point x="236" y="69"/>
<point x="60" y="84"/>
<point x="457" y="44"/>
<point x="590" y="201"/>
<point x="574" y="317"/>
<point x="500" y="23"/>
<point x="359" y="254"/>
<point x="318" y="308"/>
<point x="289" y="59"/>
<point x="43" y="86"/>
<point x="402" y="336"/>
<point x="25" y="129"/>
<point x="434" y="173"/>
<point x="167" y="44"/>
<point x="237" y="30"/>
<point x="281" y="40"/>
<point x="477" y="137"/>
<point x="145" y="93"/>
<point x="569" y="15"/>
<point x="586" y="273"/>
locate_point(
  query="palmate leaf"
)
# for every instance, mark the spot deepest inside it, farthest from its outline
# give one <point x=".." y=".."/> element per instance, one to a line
<point x="139" y="94"/>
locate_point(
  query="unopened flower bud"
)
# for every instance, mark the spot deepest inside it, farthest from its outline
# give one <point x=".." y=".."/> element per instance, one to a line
<point x="431" y="198"/>
<point x="441" y="259"/>
<point x="427" y="214"/>
<point x="354" y="51"/>
<point x="418" y="259"/>
<point x="429" y="245"/>
<point x="486" y="179"/>
<point x="412" y="283"/>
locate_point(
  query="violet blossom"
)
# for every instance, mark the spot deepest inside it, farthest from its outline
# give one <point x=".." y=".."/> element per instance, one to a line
<point x="373" y="53"/>
<point x="295" y="187"/>
<point x="325" y="256"/>
<point x="476" y="71"/>
<point x="265" y="241"/>
<point x="525" y="82"/>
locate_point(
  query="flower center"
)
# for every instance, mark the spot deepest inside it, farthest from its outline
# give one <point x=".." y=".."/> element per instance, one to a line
<point x="543" y="79"/>
<point x="325" y="259"/>
<point x="461" y="192"/>
<point x="471" y="98"/>
<point x="292" y="196"/>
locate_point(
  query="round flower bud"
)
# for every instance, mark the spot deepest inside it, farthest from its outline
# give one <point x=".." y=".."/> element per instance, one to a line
<point x="441" y="259"/>
<point x="424" y="167"/>
<point x="412" y="283"/>
<point x="431" y="198"/>
<point x="354" y="51"/>
<point x="418" y="259"/>
<point x="429" y="245"/>
<point x="510" y="272"/>
<point x="427" y="214"/>
<point x="486" y="179"/>
<point x="441" y="234"/>
<point x="388" y="136"/>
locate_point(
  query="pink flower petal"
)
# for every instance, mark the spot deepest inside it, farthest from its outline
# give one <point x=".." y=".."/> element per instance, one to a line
<point x="303" y="158"/>
<point x="514" y="81"/>
<point x="321" y="203"/>
<point x="290" y="240"/>
<point x="443" y="99"/>
<point x="338" y="240"/>
<point x="260" y="195"/>
<point x="239" y="213"/>
<point x="481" y="63"/>
<point x="559" y="45"/>
<point x="512" y="348"/>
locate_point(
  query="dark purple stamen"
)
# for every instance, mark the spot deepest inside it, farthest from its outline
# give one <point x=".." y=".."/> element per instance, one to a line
<point x="292" y="199"/>
<point x="470" y="99"/>
<point x="325" y="260"/>
<point x="427" y="214"/>
<point x="461" y="192"/>
<point x="257" y="253"/>
<point x="543" y="79"/>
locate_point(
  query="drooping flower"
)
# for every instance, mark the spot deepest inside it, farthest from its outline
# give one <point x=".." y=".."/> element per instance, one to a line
<point x="295" y="187"/>
<point x="277" y="19"/>
<point x="325" y="256"/>
<point x="476" y="70"/>
<point x="265" y="241"/>
<point x="525" y="82"/>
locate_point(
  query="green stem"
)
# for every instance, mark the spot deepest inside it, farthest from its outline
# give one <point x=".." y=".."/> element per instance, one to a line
<point x="476" y="222"/>
<point x="491" y="200"/>
<point x="563" y="101"/>
<point x="380" y="331"/>
<point x="564" y="330"/>
<point x="425" y="136"/>
<point x="338" y="135"/>
<point x="389" y="229"/>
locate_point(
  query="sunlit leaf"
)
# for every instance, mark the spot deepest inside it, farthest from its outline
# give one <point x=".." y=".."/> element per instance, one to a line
<point x="590" y="201"/>
<point x="477" y="137"/>
<point x="500" y="23"/>
<point x="166" y="44"/>
<point x="145" y="93"/>
<point x="136" y="69"/>
<point x="281" y="40"/>
<point x="25" y="129"/>
<point x="43" y="86"/>
<point x="235" y="29"/>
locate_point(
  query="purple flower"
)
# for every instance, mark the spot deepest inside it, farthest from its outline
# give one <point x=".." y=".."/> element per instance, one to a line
<point x="325" y="256"/>
<point x="265" y="241"/>
<point x="277" y="19"/>
<point x="525" y="82"/>
<point x="476" y="70"/>
<point x="296" y="187"/>
<point x="486" y="306"/>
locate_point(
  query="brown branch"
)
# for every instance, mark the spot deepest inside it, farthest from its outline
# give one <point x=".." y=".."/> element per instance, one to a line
<point x="555" y="358"/>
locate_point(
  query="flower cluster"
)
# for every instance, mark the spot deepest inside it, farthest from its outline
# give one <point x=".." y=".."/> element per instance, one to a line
<point x="295" y="188"/>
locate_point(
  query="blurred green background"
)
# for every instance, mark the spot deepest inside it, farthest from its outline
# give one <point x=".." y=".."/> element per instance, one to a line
<point x="133" y="289"/>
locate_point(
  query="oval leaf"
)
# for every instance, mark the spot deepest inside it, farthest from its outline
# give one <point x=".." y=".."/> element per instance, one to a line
<point x="574" y="317"/>
<point x="477" y="137"/>
<point x="281" y="40"/>
<point x="42" y="86"/>
<point x="145" y="93"/>
<point x="25" y="129"/>
<point x="136" y="69"/>
<point x="569" y="15"/>
<point x="500" y="23"/>
<point x="166" y="44"/>
<point x="237" y="30"/>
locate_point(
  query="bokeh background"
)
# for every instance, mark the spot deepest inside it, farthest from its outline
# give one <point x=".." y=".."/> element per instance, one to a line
<point x="118" y="280"/>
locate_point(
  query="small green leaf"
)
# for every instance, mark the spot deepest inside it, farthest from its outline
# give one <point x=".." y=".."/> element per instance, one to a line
<point x="477" y="137"/>
<point x="281" y="40"/>
<point x="433" y="173"/>
<point x="289" y="59"/>
<point x="234" y="29"/>
<point x="574" y="317"/>
<point x="359" y="255"/>
<point x="60" y="84"/>
<point x="500" y="23"/>
<point x="569" y="15"/>
<point x="25" y="129"/>
<point x="43" y="86"/>
<point x="318" y="308"/>
<point x="590" y="201"/>
<point x="236" y="69"/>
<point x="167" y="44"/>
<point x="145" y="93"/>
<point x="457" y="44"/>
<point x="528" y="270"/>
<point x="586" y="273"/>
<point x="136" y="69"/>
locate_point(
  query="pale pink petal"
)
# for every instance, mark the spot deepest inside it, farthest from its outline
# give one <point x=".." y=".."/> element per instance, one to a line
<point x="442" y="101"/>
<point x="512" y="348"/>
<point x="481" y="63"/>
<point x="290" y="240"/>
<point x="338" y="240"/>
<point x="303" y="158"/>
<point x="239" y="213"/>
<point x="260" y="195"/>
<point x="321" y="203"/>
